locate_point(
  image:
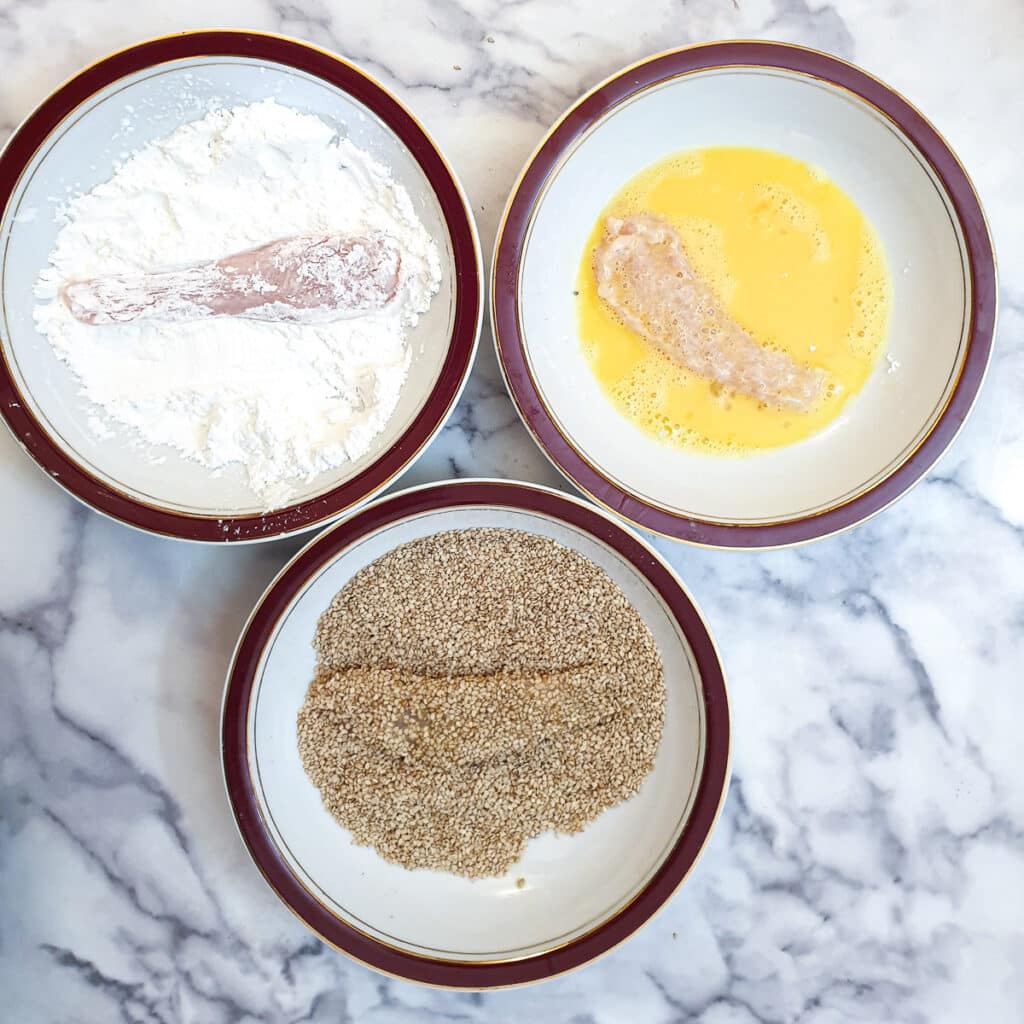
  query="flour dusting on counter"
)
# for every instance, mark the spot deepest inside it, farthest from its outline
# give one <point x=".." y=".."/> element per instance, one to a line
<point x="286" y="401"/>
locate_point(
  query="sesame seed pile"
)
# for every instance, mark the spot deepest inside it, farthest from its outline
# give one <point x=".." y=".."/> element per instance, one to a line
<point x="474" y="689"/>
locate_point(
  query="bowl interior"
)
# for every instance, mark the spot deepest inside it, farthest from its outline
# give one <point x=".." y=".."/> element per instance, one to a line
<point x="873" y="161"/>
<point x="570" y="884"/>
<point x="81" y="152"/>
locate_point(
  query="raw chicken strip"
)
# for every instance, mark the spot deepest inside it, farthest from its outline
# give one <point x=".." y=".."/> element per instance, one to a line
<point x="298" y="280"/>
<point x="643" y="274"/>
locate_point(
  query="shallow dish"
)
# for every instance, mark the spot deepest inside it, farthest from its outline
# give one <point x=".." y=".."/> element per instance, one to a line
<point x="900" y="173"/>
<point x="72" y="142"/>
<point x="581" y="894"/>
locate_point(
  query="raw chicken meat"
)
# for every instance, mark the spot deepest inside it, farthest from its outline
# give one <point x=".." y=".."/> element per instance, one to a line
<point x="643" y="274"/>
<point x="311" y="279"/>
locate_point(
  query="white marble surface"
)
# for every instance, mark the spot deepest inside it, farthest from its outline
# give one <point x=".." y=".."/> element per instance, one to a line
<point x="869" y="865"/>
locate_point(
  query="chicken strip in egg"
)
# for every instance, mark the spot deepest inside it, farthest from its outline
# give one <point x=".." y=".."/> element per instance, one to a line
<point x="644" y="276"/>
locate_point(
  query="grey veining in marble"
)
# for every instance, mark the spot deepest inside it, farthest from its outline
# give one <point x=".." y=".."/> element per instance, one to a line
<point x="869" y="865"/>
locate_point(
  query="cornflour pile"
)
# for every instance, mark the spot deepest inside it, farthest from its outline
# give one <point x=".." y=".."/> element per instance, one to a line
<point x="475" y="689"/>
<point x="284" y="401"/>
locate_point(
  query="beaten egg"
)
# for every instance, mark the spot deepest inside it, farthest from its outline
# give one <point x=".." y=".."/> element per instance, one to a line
<point x="792" y="261"/>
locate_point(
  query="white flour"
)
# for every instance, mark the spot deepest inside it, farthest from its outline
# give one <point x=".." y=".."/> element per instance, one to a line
<point x="286" y="401"/>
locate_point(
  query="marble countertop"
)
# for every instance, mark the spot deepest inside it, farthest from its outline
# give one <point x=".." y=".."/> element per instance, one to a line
<point x="869" y="864"/>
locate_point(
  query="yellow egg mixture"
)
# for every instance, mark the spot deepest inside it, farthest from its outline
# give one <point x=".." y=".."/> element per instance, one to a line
<point x="793" y="262"/>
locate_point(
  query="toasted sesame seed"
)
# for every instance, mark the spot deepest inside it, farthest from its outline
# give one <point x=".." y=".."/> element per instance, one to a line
<point x="475" y="689"/>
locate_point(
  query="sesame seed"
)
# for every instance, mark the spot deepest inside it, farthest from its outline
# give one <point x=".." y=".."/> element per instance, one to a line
<point x="475" y="689"/>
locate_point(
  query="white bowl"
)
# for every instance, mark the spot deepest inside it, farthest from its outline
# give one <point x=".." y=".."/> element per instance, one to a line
<point x="73" y="141"/>
<point x="898" y="171"/>
<point x="581" y="894"/>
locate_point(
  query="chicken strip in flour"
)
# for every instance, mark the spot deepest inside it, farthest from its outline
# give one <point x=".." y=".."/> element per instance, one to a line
<point x="304" y="279"/>
<point x="644" y="276"/>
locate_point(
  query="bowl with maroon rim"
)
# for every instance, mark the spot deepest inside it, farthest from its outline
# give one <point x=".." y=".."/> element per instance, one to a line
<point x="570" y="898"/>
<point x="901" y="174"/>
<point x="73" y="141"/>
